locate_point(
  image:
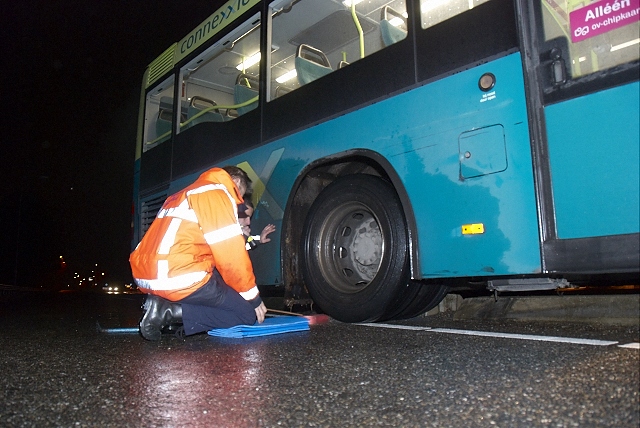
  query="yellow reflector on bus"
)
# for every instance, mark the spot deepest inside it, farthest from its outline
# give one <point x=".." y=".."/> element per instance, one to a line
<point x="472" y="229"/>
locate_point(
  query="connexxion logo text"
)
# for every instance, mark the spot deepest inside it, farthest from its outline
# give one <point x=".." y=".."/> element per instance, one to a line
<point x="212" y="25"/>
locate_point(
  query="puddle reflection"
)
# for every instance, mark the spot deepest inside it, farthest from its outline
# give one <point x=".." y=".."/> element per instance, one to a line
<point x="224" y="385"/>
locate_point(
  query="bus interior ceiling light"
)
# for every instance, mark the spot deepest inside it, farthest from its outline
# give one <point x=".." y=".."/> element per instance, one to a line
<point x="253" y="59"/>
<point x="624" y="45"/>
<point x="287" y="76"/>
<point x="248" y="62"/>
<point x="349" y="2"/>
<point x="428" y="5"/>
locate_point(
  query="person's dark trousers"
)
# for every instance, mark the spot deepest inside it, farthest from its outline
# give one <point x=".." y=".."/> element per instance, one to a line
<point x="215" y="305"/>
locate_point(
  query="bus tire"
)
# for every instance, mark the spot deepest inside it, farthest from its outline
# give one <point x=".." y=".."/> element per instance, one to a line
<point x="355" y="248"/>
<point x="419" y="299"/>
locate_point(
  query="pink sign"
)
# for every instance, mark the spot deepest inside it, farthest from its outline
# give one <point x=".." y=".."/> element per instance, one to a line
<point x="601" y="17"/>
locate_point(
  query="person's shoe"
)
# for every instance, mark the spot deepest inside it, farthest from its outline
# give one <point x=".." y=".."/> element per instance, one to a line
<point x="151" y="322"/>
<point x="159" y="313"/>
<point x="174" y="313"/>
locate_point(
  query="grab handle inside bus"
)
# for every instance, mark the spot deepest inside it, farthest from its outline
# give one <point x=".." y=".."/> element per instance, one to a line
<point x="358" y="27"/>
<point x="220" y="107"/>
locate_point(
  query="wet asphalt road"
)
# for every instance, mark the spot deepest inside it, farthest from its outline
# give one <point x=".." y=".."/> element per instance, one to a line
<point x="57" y="370"/>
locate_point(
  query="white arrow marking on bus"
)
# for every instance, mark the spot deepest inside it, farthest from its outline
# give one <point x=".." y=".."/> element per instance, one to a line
<point x="260" y="191"/>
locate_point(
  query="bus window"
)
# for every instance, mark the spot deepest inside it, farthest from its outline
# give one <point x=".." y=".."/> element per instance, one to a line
<point x="598" y="35"/>
<point x="221" y="84"/>
<point x="436" y="11"/>
<point x="158" y="114"/>
<point x="312" y="38"/>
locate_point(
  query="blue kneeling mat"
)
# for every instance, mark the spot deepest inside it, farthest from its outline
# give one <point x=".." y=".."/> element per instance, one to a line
<point x="275" y="325"/>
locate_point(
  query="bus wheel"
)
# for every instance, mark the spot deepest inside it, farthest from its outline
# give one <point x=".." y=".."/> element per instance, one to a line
<point x="355" y="248"/>
<point x="419" y="298"/>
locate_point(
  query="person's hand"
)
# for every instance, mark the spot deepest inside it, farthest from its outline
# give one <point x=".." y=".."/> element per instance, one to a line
<point x="270" y="228"/>
<point x="261" y="311"/>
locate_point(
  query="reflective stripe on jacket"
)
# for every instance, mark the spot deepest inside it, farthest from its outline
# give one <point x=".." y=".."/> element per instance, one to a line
<point x="195" y="231"/>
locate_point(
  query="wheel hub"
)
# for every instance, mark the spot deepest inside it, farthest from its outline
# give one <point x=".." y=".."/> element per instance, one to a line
<point x="367" y="244"/>
<point x="366" y="249"/>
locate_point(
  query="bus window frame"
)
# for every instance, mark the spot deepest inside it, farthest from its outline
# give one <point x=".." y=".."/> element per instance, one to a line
<point x="167" y="80"/>
<point x="574" y="87"/>
<point x="540" y="94"/>
<point x="207" y="51"/>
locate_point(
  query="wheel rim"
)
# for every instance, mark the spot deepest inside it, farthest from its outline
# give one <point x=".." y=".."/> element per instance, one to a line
<point x="351" y="247"/>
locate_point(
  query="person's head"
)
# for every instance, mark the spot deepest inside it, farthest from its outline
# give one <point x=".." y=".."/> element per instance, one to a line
<point x="248" y="204"/>
<point x="245" y="211"/>
<point x="239" y="177"/>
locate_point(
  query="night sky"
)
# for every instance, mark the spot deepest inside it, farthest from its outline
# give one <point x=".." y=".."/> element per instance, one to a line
<point x="71" y="77"/>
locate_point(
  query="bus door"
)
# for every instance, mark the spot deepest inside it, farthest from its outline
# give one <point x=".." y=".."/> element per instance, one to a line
<point x="588" y="178"/>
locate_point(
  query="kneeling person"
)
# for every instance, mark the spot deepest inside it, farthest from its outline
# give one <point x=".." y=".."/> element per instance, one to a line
<point x="192" y="261"/>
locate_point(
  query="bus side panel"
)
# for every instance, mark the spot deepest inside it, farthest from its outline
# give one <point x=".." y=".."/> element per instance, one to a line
<point x="425" y="134"/>
<point x="594" y="163"/>
<point x="468" y="169"/>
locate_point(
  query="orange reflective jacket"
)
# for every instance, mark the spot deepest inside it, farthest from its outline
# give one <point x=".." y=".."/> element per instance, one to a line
<point x="195" y="231"/>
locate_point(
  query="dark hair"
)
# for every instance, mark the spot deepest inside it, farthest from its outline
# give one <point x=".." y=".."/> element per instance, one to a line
<point x="238" y="173"/>
<point x="247" y="200"/>
<point x="242" y="208"/>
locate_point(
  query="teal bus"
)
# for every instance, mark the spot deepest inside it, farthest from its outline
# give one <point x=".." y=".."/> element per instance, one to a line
<point x="408" y="148"/>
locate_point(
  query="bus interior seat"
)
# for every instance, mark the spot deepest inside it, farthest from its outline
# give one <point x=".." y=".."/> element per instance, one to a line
<point x="165" y="116"/>
<point x="163" y="123"/>
<point x="246" y="88"/>
<point x="390" y="33"/>
<point x="197" y="105"/>
<point x="311" y="64"/>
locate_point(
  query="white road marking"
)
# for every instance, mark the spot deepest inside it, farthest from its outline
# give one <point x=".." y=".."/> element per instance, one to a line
<point x="557" y="339"/>
<point x="397" y="327"/>
<point x="632" y="345"/>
